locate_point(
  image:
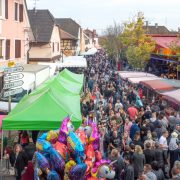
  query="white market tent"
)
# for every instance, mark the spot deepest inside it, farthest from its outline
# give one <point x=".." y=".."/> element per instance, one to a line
<point x="72" y="61"/>
<point x="173" y="96"/>
<point x="133" y="74"/>
<point x="29" y="81"/>
<point x="91" y="51"/>
<point x="137" y="80"/>
<point x="52" y="67"/>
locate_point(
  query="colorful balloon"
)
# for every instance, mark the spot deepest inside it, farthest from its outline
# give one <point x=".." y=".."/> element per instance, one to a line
<point x="78" y="172"/>
<point x="53" y="175"/>
<point x="66" y="126"/>
<point x="52" y="137"/>
<point x="58" y="162"/>
<point x="62" y="150"/>
<point x="42" y="162"/>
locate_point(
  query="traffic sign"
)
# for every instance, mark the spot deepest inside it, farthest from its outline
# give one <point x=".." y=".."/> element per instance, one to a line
<point x="13" y="84"/>
<point x="13" y="92"/>
<point x="13" y="69"/>
<point x="13" y="77"/>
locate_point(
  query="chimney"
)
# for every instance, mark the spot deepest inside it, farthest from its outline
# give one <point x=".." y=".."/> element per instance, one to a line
<point x="156" y="25"/>
<point x="147" y="23"/>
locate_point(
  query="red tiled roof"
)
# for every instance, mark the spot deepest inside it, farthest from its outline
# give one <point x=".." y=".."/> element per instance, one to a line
<point x="165" y="42"/>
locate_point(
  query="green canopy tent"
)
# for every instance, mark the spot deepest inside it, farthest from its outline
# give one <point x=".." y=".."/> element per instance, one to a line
<point x="78" y="78"/>
<point x="70" y="86"/>
<point x="45" y="108"/>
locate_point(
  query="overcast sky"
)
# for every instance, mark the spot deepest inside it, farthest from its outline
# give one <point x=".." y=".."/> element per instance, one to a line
<point x="99" y="14"/>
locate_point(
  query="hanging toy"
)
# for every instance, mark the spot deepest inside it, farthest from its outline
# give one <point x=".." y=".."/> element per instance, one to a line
<point x="42" y="162"/>
<point x="65" y="128"/>
<point x="93" y="136"/>
<point x="57" y="161"/>
<point x="78" y="172"/>
<point x="53" y="175"/>
<point x="69" y="165"/>
<point x="52" y="136"/>
<point x="103" y="170"/>
<point x="75" y="146"/>
<point x="43" y="145"/>
<point x="62" y="150"/>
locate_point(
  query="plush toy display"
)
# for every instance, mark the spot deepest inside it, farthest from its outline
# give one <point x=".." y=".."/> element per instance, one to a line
<point x="67" y="155"/>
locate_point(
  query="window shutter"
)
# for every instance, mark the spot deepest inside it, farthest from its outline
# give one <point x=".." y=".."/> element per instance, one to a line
<point x="16" y="11"/>
<point x="21" y="12"/>
<point x="17" y="48"/>
<point x="6" y="9"/>
<point x="7" y="49"/>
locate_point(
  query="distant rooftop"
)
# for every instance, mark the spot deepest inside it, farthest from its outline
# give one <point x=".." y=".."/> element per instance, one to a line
<point x="68" y="25"/>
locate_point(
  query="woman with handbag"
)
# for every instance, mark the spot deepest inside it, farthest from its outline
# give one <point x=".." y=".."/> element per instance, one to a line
<point x="18" y="160"/>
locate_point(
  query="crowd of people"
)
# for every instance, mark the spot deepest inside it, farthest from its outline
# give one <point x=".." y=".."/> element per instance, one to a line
<point x="140" y="138"/>
<point x="138" y="135"/>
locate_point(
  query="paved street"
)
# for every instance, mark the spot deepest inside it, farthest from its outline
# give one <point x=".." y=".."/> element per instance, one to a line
<point x="4" y="173"/>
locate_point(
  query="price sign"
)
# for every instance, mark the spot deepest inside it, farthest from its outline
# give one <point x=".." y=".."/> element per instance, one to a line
<point x="13" y="77"/>
<point x="13" y="84"/>
<point x="13" y="92"/>
<point x="13" y="69"/>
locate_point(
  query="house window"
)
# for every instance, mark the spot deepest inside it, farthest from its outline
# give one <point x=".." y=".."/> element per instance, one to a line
<point x="16" y="9"/>
<point x="6" y="9"/>
<point x="1" y="9"/>
<point x="21" y="12"/>
<point x="1" y="48"/>
<point x="8" y="46"/>
<point x="17" y="48"/>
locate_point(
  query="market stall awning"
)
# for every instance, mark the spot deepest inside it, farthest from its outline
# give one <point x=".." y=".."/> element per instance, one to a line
<point x="133" y="74"/>
<point x="172" y="96"/>
<point x="137" y="80"/>
<point x="45" y="108"/>
<point x="91" y="51"/>
<point x="157" y="85"/>
<point x="72" y="61"/>
<point x="173" y="82"/>
<point x="165" y="42"/>
<point x="78" y="78"/>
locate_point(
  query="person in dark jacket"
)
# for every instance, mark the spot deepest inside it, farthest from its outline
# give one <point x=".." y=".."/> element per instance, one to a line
<point x="138" y="161"/>
<point x="134" y="128"/>
<point x="118" y="163"/>
<point x="149" y="153"/>
<point x="35" y="136"/>
<point x="18" y="160"/>
<point x="159" y="156"/>
<point x="157" y="171"/>
<point x="30" y="149"/>
<point x="129" y="170"/>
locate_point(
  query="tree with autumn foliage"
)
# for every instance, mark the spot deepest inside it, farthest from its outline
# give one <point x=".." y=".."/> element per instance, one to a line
<point x="138" y="46"/>
<point x="111" y="42"/>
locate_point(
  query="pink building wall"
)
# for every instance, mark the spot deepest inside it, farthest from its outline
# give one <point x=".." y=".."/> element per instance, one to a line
<point x="11" y="29"/>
